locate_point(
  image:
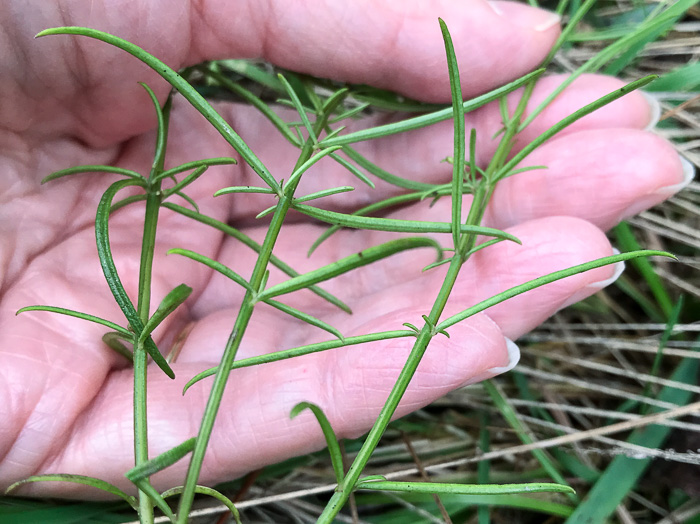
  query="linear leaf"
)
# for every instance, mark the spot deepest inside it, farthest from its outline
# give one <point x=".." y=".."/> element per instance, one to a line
<point x="395" y="225"/>
<point x="170" y="303"/>
<point x="323" y="193"/>
<point x="328" y="434"/>
<point x="78" y="479"/>
<point x="363" y="258"/>
<point x="296" y="103"/>
<point x="432" y="118"/>
<point x="219" y="161"/>
<point x="194" y="175"/>
<point x="384" y="175"/>
<point x="252" y="244"/>
<point x="112" y="277"/>
<point x="302" y="350"/>
<point x="182" y="86"/>
<point x="309" y="319"/>
<point x="159" y="463"/>
<point x="217" y="266"/>
<point x="463" y="489"/>
<point x="567" y="121"/>
<point x="306" y="165"/>
<point x="203" y="490"/>
<point x="114" y="342"/>
<point x="244" y="189"/>
<point x="94" y="169"/>
<point x="459" y="134"/>
<point x="354" y="170"/>
<point x="255" y="101"/>
<point x="546" y="279"/>
<point x="78" y="314"/>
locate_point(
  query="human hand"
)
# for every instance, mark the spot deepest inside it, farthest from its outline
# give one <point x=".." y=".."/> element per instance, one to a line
<point x="66" y="399"/>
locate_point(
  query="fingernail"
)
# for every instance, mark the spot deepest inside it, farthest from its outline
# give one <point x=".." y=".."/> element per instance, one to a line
<point x="654" y="110"/>
<point x="653" y="198"/>
<point x="688" y="175"/>
<point x="513" y="359"/>
<point x="529" y="17"/>
<point x="591" y="288"/>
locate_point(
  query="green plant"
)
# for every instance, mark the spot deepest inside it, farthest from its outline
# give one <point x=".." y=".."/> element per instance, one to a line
<point x="464" y="232"/>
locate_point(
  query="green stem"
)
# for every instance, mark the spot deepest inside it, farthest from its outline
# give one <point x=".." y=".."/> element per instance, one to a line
<point x="148" y="243"/>
<point x="244" y="315"/>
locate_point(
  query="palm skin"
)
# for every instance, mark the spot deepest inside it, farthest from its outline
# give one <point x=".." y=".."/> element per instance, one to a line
<point x="66" y="400"/>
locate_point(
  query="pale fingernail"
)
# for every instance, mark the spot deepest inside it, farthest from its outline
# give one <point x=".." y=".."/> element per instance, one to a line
<point x="513" y="359"/>
<point x="688" y="175"/>
<point x="591" y="288"/>
<point x="532" y="18"/>
<point x="654" y="110"/>
<point x="655" y="197"/>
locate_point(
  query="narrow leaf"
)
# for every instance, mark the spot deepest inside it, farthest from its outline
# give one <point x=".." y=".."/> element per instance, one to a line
<point x="432" y="118"/>
<point x="220" y="161"/>
<point x="300" y="109"/>
<point x="459" y="134"/>
<point x="110" y="271"/>
<point x="576" y="115"/>
<point x="309" y="319"/>
<point x="182" y="86"/>
<point x="203" y="490"/>
<point x="395" y="225"/>
<point x="294" y="177"/>
<point x="328" y="434"/>
<point x="252" y="244"/>
<point x="169" y="304"/>
<point x="244" y="189"/>
<point x="350" y="167"/>
<point x="114" y="342"/>
<point x="95" y="169"/>
<point x="78" y="479"/>
<point x="384" y="175"/>
<point x="159" y="463"/>
<point x="324" y="193"/>
<point x="363" y="258"/>
<point x="256" y="102"/>
<point x="194" y="175"/>
<point x="463" y="489"/>
<point x="78" y="314"/>
<point x="217" y="266"/>
<point x="302" y="350"/>
<point x="546" y="279"/>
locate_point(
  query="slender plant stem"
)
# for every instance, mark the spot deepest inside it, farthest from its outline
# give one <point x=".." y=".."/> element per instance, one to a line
<point x="150" y="226"/>
<point x="246" y="311"/>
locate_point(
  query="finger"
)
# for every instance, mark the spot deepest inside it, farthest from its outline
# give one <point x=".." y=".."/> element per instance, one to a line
<point x="399" y="46"/>
<point x="419" y="155"/>
<point x="603" y="176"/>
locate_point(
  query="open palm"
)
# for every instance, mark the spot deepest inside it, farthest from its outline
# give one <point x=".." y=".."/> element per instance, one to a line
<point x="66" y="400"/>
